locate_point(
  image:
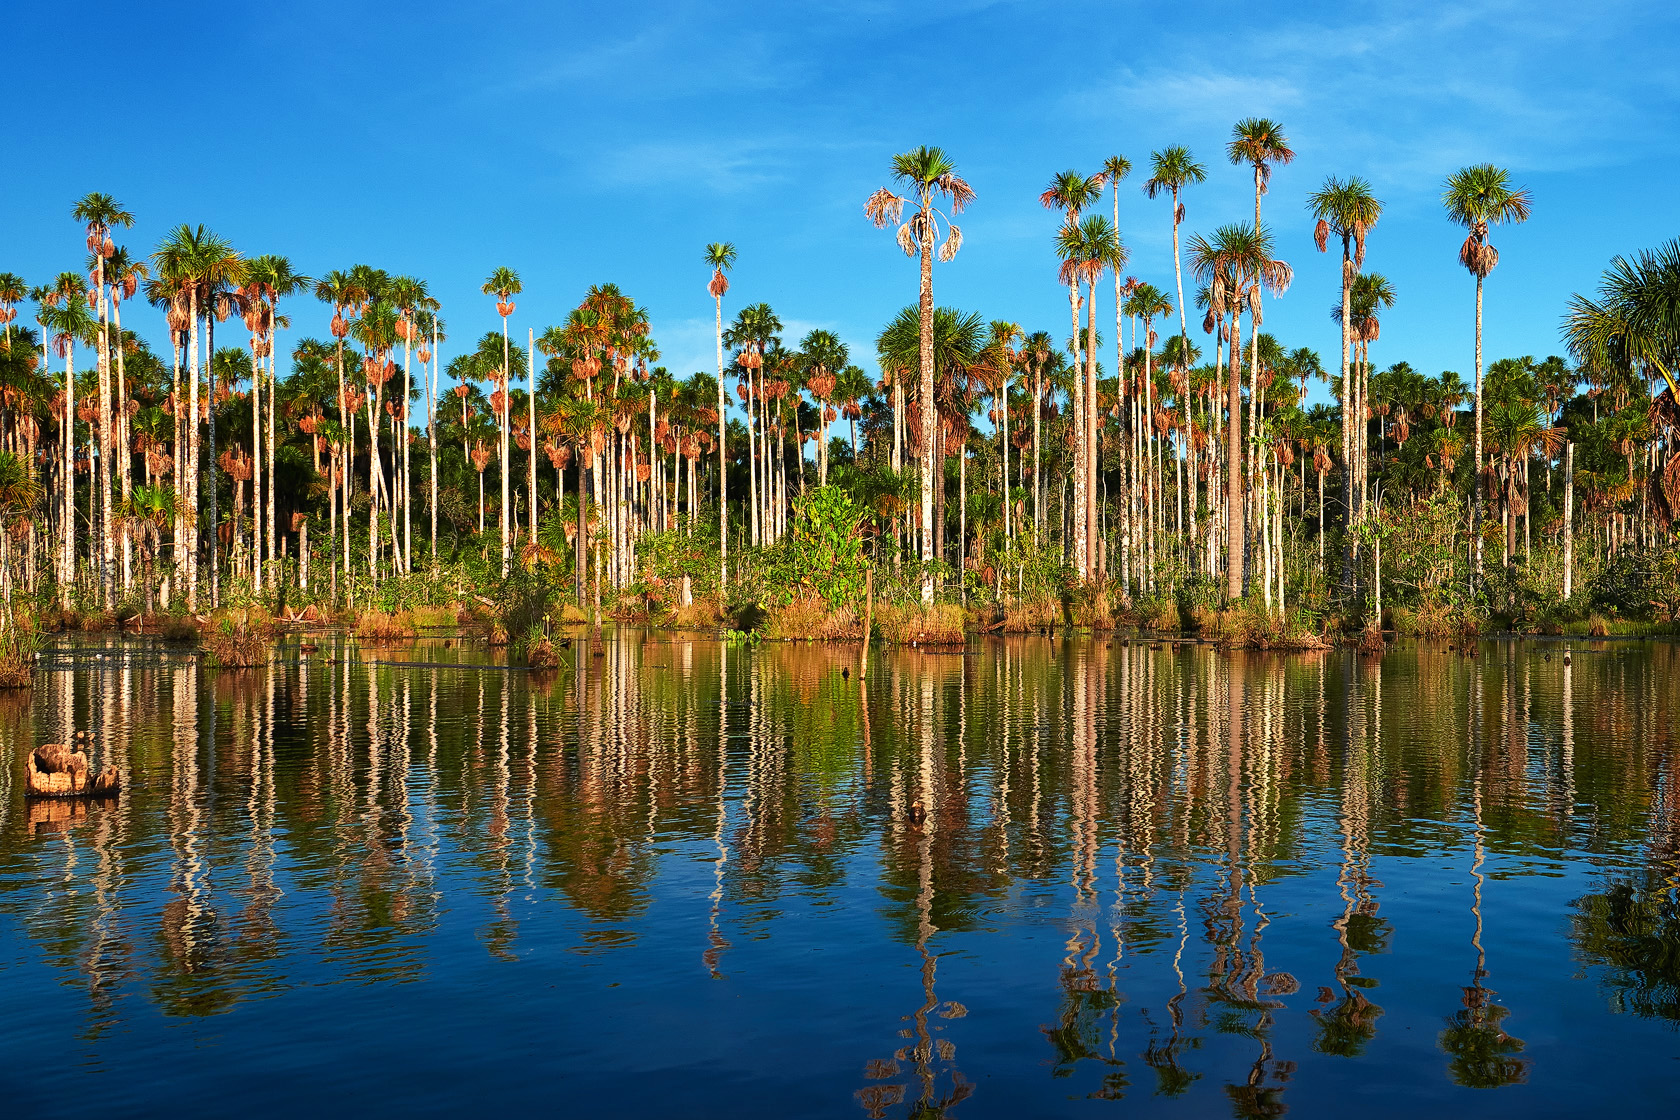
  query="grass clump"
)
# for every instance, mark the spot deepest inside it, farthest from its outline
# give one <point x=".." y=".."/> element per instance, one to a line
<point x="809" y="617"/>
<point x="380" y="626"/>
<point x="940" y="624"/>
<point x="431" y="616"/>
<point x="1029" y="616"/>
<point x="20" y="640"/>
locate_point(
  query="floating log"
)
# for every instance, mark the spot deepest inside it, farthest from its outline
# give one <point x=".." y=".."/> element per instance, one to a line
<point x="56" y="770"/>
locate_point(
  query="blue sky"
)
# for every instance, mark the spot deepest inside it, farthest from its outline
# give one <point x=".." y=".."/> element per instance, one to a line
<point x="591" y="143"/>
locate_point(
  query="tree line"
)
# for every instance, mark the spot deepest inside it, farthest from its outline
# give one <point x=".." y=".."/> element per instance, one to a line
<point x="981" y="460"/>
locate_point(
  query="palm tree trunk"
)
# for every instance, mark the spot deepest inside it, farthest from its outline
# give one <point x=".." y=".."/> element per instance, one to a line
<point x="1568" y="520"/>
<point x="1349" y="400"/>
<point x="1093" y="450"/>
<point x="531" y="421"/>
<point x="256" y="467"/>
<point x="124" y="445"/>
<point x="105" y="445"/>
<point x="1234" y="529"/>
<point x="431" y="436"/>
<point x="210" y="458"/>
<point x="502" y="419"/>
<point x="67" y="444"/>
<point x="929" y="420"/>
<point x="1476" y="478"/>
<point x="722" y="464"/>
<point x="192" y="473"/>
<point x="1076" y="409"/>
<point x="270" y="521"/>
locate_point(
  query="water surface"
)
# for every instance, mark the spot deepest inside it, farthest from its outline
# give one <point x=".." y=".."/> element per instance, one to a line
<point x="1034" y="878"/>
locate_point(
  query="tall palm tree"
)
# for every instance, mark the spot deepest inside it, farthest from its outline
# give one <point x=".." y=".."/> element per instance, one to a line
<point x="1147" y="302"/>
<point x="1476" y="197"/>
<point x="1346" y="209"/>
<point x="754" y="334"/>
<point x="1087" y="251"/>
<point x="1260" y="143"/>
<point x="123" y="277"/>
<point x="823" y="356"/>
<point x="504" y="284"/>
<point x="1236" y="264"/>
<point x="71" y="323"/>
<point x="281" y="281"/>
<point x="204" y="266"/>
<point x="410" y="297"/>
<point x="101" y="214"/>
<point x="1173" y="169"/>
<point x="13" y="291"/>
<point x="927" y="173"/>
<point x="720" y="255"/>
<point x="343" y="292"/>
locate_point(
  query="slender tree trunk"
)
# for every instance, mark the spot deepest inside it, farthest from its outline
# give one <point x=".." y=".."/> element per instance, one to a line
<point x="505" y="415"/>
<point x="929" y="421"/>
<point x="1476" y="483"/>
<point x="193" y="475"/>
<point x="530" y="419"/>
<point x="270" y="522"/>
<point x="1093" y="448"/>
<point x="1076" y="419"/>
<point x="1568" y="520"/>
<point x="124" y="444"/>
<point x="210" y="465"/>
<point x="431" y="435"/>
<point x="722" y="461"/>
<point x="1234" y="529"/>
<point x="105" y="445"/>
<point x="1349" y="403"/>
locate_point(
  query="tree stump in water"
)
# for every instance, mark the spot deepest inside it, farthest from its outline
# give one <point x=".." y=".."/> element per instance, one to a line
<point x="59" y="771"/>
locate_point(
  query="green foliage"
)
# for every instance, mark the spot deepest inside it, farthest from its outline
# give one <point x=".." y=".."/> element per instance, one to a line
<point x="822" y="554"/>
<point x="1637" y="581"/>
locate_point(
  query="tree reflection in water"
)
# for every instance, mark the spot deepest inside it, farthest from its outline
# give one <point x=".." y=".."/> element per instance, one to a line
<point x="1149" y="843"/>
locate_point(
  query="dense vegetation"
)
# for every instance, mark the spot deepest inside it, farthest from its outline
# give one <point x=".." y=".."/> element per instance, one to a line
<point x="1156" y="476"/>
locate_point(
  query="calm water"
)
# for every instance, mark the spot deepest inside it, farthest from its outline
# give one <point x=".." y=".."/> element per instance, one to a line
<point x="691" y="879"/>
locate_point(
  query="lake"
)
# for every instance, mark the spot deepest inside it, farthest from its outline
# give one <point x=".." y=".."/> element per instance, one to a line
<point x="1035" y="877"/>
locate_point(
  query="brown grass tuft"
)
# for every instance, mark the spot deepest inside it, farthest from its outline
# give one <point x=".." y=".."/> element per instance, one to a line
<point x="810" y="618"/>
<point x="938" y="625"/>
<point x="377" y="626"/>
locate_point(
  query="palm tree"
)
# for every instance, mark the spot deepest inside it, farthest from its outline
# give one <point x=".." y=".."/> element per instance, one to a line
<point x="823" y="356"/>
<point x="101" y="214"/>
<point x="1174" y="169"/>
<point x="203" y="267"/>
<point x="1633" y="326"/>
<point x="123" y="277"/>
<point x="1476" y="197"/>
<point x="1087" y="251"/>
<point x="1236" y="265"/>
<point x="1146" y="302"/>
<point x="410" y="297"/>
<point x="1346" y="208"/>
<point x="13" y="291"/>
<point x="280" y="281"/>
<point x="1519" y="431"/>
<point x="927" y="173"/>
<point x="67" y="316"/>
<point x="720" y="255"/>
<point x="504" y="284"/>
